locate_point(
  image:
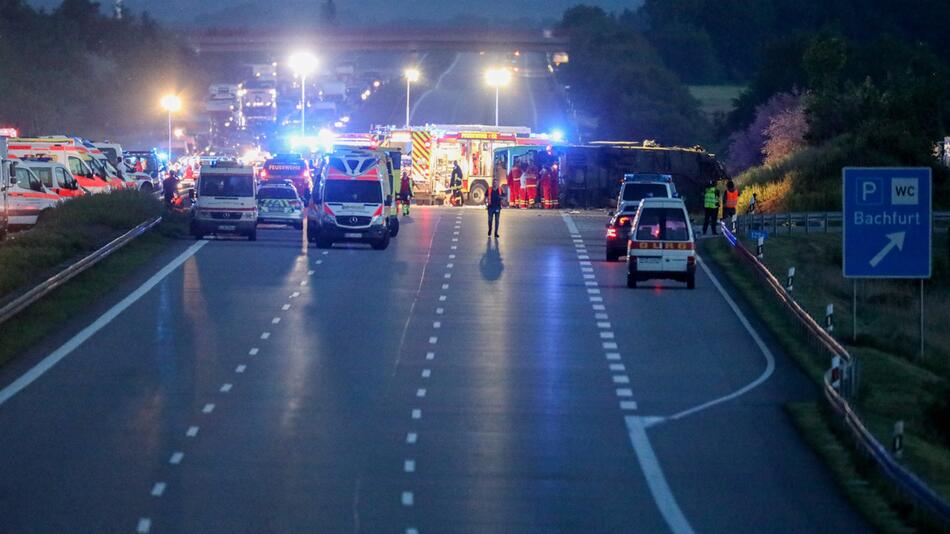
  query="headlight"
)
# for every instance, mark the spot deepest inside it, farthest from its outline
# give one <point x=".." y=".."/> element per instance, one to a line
<point x="377" y="220"/>
<point x="328" y="218"/>
<point x="249" y="215"/>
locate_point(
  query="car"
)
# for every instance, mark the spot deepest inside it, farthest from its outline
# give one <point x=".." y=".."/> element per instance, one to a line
<point x="348" y="203"/>
<point x="279" y="204"/>
<point x="226" y="201"/>
<point x="661" y="244"/>
<point x="638" y="186"/>
<point x="618" y="232"/>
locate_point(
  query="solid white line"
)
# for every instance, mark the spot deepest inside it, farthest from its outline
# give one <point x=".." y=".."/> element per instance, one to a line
<point x="176" y="458"/>
<point x="240" y="368"/>
<point x="265" y="335"/>
<point x="285" y="307"/>
<point x="226" y="388"/>
<point x="145" y="524"/>
<point x="253" y="351"/>
<point x="412" y="437"/>
<point x="158" y="489"/>
<point x="571" y="227"/>
<point x="769" y="357"/>
<point x="192" y="431"/>
<point x="660" y="490"/>
<point x="409" y="466"/>
<point x="407" y="498"/>
<point x="67" y="348"/>
<point x="208" y="408"/>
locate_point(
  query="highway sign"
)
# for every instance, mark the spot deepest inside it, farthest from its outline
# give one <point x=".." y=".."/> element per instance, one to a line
<point x="887" y="228"/>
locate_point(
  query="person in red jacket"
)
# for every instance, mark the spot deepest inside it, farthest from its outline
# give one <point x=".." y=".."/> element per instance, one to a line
<point x="530" y="192"/>
<point x="514" y="186"/>
<point x="555" y="201"/>
<point x="545" y="182"/>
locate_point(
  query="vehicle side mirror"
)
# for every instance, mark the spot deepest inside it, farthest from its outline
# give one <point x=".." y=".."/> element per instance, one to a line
<point x="12" y="180"/>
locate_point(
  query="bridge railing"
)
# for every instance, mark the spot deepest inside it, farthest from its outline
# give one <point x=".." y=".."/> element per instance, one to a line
<point x="840" y="384"/>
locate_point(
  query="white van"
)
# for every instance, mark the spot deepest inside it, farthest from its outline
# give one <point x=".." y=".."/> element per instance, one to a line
<point x="27" y="198"/>
<point x="226" y="201"/>
<point x="661" y="243"/>
<point x="348" y="205"/>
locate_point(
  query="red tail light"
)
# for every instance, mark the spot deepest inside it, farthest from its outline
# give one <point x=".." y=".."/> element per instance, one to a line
<point x="263" y="173"/>
<point x="691" y="260"/>
<point x="611" y="233"/>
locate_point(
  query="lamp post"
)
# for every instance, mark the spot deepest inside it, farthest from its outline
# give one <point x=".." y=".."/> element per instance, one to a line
<point x="412" y="76"/>
<point x="303" y="64"/>
<point x="170" y="103"/>
<point x="497" y="78"/>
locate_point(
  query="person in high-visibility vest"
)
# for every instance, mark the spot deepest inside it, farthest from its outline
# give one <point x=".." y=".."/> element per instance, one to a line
<point x="730" y="200"/>
<point x="514" y="186"/>
<point x="530" y="194"/>
<point x="555" y="203"/>
<point x="405" y="192"/>
<point x="711" y="205"/>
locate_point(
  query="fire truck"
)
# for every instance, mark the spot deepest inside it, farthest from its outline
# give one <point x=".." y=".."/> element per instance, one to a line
<point x="433" y="149"/>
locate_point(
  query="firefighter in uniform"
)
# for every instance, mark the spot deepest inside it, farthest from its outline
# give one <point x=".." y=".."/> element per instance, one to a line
<point x="530" y="192"/>
<point x="555" y="200"/>
<point x="546" y="179"/>
<point x="514" y="186"/>
<point x="455" y="184"/>
<point x="711" y="206"/>
<point x="730" y="201"/>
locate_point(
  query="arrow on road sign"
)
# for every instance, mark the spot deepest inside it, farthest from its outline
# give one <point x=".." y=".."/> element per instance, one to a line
<point x="894" y="240"/>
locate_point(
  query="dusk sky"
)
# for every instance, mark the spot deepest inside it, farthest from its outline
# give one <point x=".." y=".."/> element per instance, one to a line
<point x="352" y="12"/>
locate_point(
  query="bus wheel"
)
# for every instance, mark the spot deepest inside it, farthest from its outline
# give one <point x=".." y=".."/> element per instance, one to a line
<point x="476" y="195"/>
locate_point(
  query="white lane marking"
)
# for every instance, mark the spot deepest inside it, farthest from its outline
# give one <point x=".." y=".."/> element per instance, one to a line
<point x="650" y="465"/>
<point x="192" y="431"/>
<point x="617" y="367"/>
<point x="609" y="345"/>
<point x="144" y="525"/>
<point x="455" y="232"/>
<point x="407" y="498"/>
<point x="412" y="531"/>
<point x="769" y="357"/>
<point x="587" y="269"/>
<point x="265" y="335"/>
<point x="599" y="307"/>
<point x="253" y="351"/>
<point x="309" y="273"/>
<point x="426" y="373"/>
<point x="437" y="324"/>
<point x="606" y="335"/>
<point x="577" y="240"/>
<point x="416" y="413"/>
<point x="451" y="256"/>
<point x="158" y="489"/>
<point x="571" y="227"/>
<point x="442" y="298"/>
<point x="447" y="275"/>
<point x="409" y="466"/>
<point x="600" y="316"/>
<point x="603" y="324"/>
<point x="295" y="294"/>
<point x="455" y="240"/>
<point x="590" y="283"/>
<point x="240" y="368"/>
<point x="433" y="340"/>
<point x="285" y="307"/>
<point x="593" y="291"/>
<point x="621" y="379"/>
<point x="325" y="252"/>
<point x="586" y="263"/>
<point x="412" y="437"/>
<point x="588" y="277"/>
<point x="226" y="388"/>
<point x="67" y="348"/>
<point x="176" y="458"/>
<point x="628" y="405"/>
<point x="303" y="282"/>
<point x="445" y="286"/>
<point x="439" y="311"/>
<point x="596" y="299"/>
<point x="449" y="265"/>
<point x="430" y="355"/>
<point x="583" y="257"/>
<point x="613" y="355"/>
<point x="208" y="408"/>
<point x="319" y="262"/>
<point x="421" y="392"/>
<point x="275" y="320"/>
<point x="624" y="392"/>
<point x="455" y="247"/>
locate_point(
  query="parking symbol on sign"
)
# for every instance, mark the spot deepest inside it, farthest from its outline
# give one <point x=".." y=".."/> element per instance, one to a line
<point x="870" y="192"/>
<point x="904" y="191"/>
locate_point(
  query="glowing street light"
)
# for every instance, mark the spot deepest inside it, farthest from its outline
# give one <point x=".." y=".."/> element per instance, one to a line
<point x="172" y="104"/>
<point x="497" y="78"/>
<point x="303" y="64"/>
<point x="412" y="76"/>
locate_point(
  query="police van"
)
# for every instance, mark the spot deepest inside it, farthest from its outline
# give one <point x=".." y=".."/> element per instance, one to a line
<point x="349" y="203"/>
<point x="225" y="201"/>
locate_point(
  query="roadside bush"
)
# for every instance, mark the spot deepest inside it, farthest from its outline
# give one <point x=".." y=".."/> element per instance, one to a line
<point x="73" y="229"/>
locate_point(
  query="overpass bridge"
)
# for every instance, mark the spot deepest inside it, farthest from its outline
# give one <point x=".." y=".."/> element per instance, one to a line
<point x="231" y="40"/>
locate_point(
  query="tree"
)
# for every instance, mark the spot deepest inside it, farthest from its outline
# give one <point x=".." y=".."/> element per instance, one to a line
<point x="785" y="134"/>
<point x="747" y="146"/>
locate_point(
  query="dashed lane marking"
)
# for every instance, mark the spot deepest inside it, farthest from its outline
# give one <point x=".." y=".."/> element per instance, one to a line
<point x="208" y="408"/>
<point x="439" y="311"/>
<point x="621" y="379"/>
<point x="426" y="373"/>
<point x="240" y="368"/>
<point x="158" y="489"/>
<point x="613" y="355"/>
<point x="421" y="392"/>
<point x="265" y="335"/>
<point x="628" y="405"/>
<point x="275" y="320"/>
<point x="253" y="351"/>
<point x="226" y="388"/>
<point x="624" y="392"/>
<point x="437" y="324"/>
<point x="445" y="286"/>
<point x="176" y="458"/>
<point x="409" y="466"/>
<point x="412" y="438"/>
<point x="144" y="526"/>
<point x="433" y="340"/>
<point x="285" y="307"/>
<point x="192" y="431"/>
<point x="442" y="298"/>
<point x="609" y="345"/>
<point x="416" y="413"/>
<point x="430" y="355"/>
<point x="617" y="367"/>
<point x="407" y="498"/>
<point x="295" y="294"/>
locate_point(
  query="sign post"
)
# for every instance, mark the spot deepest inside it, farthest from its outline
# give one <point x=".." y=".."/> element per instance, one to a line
<point x="888" y="225"/>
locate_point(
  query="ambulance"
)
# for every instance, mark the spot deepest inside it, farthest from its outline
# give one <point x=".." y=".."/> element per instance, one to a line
<point x="226" y="201"/>
<point x="75" y="157"/>
<point x="27" y="198"/>
<point x="54" y="176"/>
<point x="348" y="205"/>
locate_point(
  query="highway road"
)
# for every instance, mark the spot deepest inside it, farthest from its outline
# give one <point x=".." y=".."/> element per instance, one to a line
<point x="451" y="383"/>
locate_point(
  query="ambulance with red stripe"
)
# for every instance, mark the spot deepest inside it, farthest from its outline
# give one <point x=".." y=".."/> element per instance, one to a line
<point x="76" y="158"/>
<point x="54" y="176"/>
<point x="349" y="203"/>
<point x="27" y="198"/>
<point x="99" y="160"/>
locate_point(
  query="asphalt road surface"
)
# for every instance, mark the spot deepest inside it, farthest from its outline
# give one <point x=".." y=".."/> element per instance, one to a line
<point x="451" y="383"/>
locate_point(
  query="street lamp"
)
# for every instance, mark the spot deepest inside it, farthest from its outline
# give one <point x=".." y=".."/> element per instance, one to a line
<point x="497" y="78"/>
<point x="171" y="104"/>
<point x="303" y="64"/>
<point x="412" y="76"/>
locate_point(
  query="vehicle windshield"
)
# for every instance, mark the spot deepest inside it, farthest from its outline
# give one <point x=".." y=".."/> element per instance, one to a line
<point x="226" y="185"/>
<point x="111" y="154"/>
<point x="662" y="224"/>
<point x="45" y="174"/>
<point x="277" y="192"/>
<point x="634" y="191"/>
<point x="360" y="191"/>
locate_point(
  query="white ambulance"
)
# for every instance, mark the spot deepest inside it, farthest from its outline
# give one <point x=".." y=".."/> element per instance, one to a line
<point x="226" y="201"/>
<point x="348" y="204"/>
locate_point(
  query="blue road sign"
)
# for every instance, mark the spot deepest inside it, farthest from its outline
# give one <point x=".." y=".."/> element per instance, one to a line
<point x="888" y="227"/>
<point x="756" y="234"/>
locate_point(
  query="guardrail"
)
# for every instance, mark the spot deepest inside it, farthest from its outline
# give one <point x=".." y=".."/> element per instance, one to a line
<point x="30" y="297"/>
<point x="839" y="384"/>
<point x="809" y="222"/>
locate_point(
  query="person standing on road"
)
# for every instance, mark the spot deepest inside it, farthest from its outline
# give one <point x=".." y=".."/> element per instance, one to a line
<point x="545" y="183"/>
<point x="523" y="187"/>
<point x="711" y="206"/>
<point x="730" y="201"/>
<point x="514" y="186"/>
<point x="405" y="192"/>
<point x="493" y="203"/>
<point x="455" y="183"/>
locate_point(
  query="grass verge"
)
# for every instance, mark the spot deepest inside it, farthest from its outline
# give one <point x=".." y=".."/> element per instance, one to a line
<point x="891" y="388"/>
